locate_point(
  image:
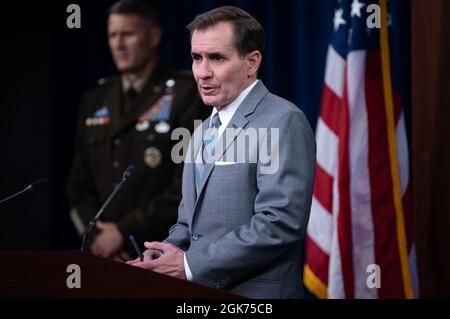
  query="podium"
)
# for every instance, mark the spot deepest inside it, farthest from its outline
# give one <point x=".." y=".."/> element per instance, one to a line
<point x="44" y="275"/>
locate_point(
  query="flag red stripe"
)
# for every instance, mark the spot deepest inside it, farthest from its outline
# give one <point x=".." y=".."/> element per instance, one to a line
<point x="330" y="109"/>
<point x="344" y="220"/>
<point x="383" y="209"/>
<point x="317" y="260"/>
<point x="323" y="188"/>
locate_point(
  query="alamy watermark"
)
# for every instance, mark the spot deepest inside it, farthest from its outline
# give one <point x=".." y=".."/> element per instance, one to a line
<point x="234" y="146"/>
<point x="73" y="21"/>
<point x="374" y="279"/>
<point x="74" y="279"/>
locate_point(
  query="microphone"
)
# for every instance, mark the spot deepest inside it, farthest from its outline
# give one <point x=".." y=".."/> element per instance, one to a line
<point x="33" y="187"/>
<point x="126" y="174"/>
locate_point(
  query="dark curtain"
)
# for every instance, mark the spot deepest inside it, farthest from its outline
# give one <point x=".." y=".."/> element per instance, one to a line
<point x="431" y="140"/>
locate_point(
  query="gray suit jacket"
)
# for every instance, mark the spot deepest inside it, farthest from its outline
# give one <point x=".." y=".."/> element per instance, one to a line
<point x="244" y="231"/>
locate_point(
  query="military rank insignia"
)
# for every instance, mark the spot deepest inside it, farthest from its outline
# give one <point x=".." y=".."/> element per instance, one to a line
<point x="101" y="117"/>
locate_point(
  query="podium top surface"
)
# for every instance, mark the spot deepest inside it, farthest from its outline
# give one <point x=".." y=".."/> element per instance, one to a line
<point x="42" y="275"/>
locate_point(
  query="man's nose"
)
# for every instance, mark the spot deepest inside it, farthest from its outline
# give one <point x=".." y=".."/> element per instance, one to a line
<point x="204" y="70"/>
<point x="117" y="42"/>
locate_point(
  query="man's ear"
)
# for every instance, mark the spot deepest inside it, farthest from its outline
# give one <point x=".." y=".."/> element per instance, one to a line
<point x="155" y="36"/>
<point x="253" y="60"/>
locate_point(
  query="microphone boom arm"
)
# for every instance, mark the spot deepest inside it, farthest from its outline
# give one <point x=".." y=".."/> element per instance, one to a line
<point x="91" y="224"/>
<point x="36" y="185"/>
<point x="15" y="195"/>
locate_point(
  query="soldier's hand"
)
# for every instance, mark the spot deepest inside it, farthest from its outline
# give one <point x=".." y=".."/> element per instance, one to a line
<point x="109" y="242"/>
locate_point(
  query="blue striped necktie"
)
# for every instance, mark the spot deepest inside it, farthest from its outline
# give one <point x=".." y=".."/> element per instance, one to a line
<point x="207" y="144"/>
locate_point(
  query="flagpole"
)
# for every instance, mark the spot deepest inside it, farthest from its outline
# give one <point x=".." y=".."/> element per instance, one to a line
<point x="389" y="106"/>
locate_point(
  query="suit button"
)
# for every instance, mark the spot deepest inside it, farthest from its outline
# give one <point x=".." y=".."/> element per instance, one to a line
<point x="196" y="236"/>
<point x="116" y="164"/>
<point x="117" y="141"/>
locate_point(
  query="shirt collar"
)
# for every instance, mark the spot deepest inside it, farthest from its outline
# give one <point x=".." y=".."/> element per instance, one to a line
<point x="137" y="85"/>
<point x="226" y="113"/>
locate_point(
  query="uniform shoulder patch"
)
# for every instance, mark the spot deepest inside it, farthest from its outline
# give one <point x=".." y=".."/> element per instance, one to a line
<point x="107" y="80"/>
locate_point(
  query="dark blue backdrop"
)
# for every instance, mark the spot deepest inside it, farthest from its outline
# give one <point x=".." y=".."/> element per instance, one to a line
<point x="46" y="67"/>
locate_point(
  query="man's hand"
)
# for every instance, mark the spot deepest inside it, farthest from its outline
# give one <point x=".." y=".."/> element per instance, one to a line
<point x="163" y="258"/>
<point x="108" y="242"/>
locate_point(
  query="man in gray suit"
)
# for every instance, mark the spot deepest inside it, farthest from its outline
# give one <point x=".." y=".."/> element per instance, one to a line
<point x="242" y="218"/>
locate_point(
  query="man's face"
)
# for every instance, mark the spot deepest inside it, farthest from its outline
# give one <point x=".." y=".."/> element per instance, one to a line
<point x="130" y="40"/>
<point x="221" y="74"/>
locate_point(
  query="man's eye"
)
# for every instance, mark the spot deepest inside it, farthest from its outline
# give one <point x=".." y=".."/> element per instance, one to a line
<point x="196" y="58"/>
<point x="217" y="58"/>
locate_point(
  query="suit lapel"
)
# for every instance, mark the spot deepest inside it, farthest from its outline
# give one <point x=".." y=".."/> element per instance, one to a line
<point x="198" y="137"/>
<point x="238" y="122"/>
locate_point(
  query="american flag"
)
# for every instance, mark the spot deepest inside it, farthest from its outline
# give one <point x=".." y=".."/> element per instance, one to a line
<point x="359" y="237"/>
